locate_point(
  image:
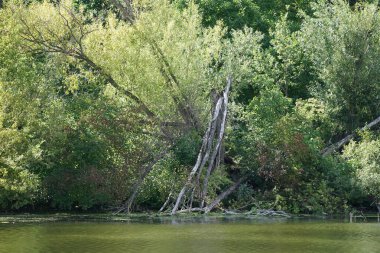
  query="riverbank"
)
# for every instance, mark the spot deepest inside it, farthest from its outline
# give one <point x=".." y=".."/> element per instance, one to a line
<point x="164" y="218"/>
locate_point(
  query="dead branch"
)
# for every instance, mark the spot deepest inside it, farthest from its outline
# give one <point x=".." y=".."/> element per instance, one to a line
<point x="345" y="140"/>
<point x="195" y="209"/>
<point x="220" y="139"/>
<point x="192" y="173"/>
<point x="224" y="194"/>
<point x="166" y="203"/>
<point x="58" y="45"/>
<point x="272" y="213"/>
<point x="207" y="144"/>
<point x="136" y="188"/>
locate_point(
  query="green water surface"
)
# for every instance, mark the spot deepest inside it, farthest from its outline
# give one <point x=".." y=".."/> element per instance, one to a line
<point x="225" y="236"/>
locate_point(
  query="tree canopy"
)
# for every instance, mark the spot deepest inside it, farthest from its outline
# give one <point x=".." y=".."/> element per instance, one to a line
<point x="189" y="105"/>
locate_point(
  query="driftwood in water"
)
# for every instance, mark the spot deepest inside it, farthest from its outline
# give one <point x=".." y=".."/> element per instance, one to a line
<point x="208" y="146"/>
<point x="260" y="213"/>
<point x="195" y="209"/>
<point x="272" y="213"/>
<point x="336" y="146"/>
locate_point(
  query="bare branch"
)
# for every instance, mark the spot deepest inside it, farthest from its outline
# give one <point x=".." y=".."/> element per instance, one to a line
<point x="207" y="144"/>
<point x="127" y="12"/>
<point x="224" y="194"/>
<point x="136" y="188"/>
<point x="336" y="146"/>
<point x="36" y="37"/>
<point x="220" y="139"/>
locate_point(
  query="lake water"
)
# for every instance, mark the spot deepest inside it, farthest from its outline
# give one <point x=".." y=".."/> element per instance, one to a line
<point x="209" y="236"/>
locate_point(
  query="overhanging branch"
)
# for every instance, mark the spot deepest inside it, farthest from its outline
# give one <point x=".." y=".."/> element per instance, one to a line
<point x="336" y="146"/>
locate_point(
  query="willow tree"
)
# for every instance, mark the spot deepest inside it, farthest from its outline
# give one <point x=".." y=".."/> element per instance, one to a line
<point x="341" y="42"/>
<point x="22" y="99"/>
<point x="364" y="157"/>
<point x="160" y="60"/>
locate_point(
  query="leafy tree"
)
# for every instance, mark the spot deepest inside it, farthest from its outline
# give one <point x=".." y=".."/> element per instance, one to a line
<point x="104" y="103"/>
<point x="364" y="157"/>
<point x="260" y="15"/>
<point x="20" y="112"/>
<point x="341" y="43"/>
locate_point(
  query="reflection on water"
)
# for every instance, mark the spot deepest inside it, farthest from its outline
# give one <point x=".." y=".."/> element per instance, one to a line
<point x="210" y="236"/>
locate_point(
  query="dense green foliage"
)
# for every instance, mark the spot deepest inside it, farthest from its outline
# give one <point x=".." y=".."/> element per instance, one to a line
<point x="364" y="157"/>
<point x="91" y="102"/>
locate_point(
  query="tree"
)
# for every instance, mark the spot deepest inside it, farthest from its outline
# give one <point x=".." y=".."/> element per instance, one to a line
<point x="105" y="103"/>
<point x="19" y="117"/>
<point x="341" y="43"/>
<point x="66" y="137"/>
<point x="364" y="157"/>
<point x="261" y="15"/>
<point x="161" y="53"/>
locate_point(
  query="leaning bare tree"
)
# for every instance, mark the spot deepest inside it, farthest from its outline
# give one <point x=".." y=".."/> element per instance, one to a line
<point x="210" y="150"/>
<point x="42" y="38"/>
<point x="209" y="158"/>
<point x="339" y="144"/>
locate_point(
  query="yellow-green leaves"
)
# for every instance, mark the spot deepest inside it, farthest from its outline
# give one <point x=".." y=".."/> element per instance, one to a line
<point x="162" y="42"/>
<point x="364" y="156"/>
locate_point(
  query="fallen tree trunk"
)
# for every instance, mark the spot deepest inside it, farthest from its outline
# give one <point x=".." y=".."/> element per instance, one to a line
<point x="330" y="149"/>
<point x="265" y="212"/>
<point x="136" y="188"/>
<point x="196" y="209"/>
<point x="192" y="173"/>
<point x="207" y="145"/>
<point x="224" y="194"/>
<point x="166" y="203"/>
<point x="218" y="146"/>
<point x="217" y="200"/>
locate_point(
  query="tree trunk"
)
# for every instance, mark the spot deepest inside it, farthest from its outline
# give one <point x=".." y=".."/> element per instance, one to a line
<point x="207" y="144"/>
<point x="217" y="149"/>
<point x="223" y="195"/>
<point x="211" y="137"/>
<point x="203" y="154"/>
<point x="166" y="203"/>
<point x="192" y="173"/>
<point x="136" y="187"/>
<point x="346" y="139"/>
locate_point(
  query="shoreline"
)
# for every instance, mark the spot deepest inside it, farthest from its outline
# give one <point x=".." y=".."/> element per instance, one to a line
<point x="165" y="218"/>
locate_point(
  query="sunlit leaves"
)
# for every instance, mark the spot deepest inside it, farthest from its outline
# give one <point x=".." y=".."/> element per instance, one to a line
<point x="364" y="156"/>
